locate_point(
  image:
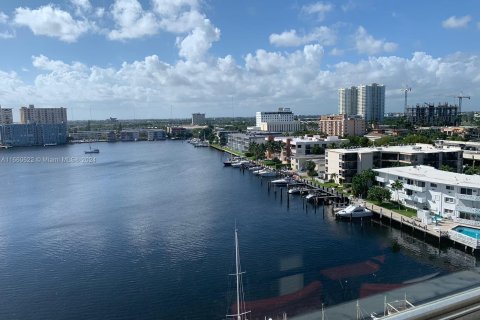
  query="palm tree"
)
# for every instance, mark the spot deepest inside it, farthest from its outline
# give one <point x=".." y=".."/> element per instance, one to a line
<point x="333" y="176"/>
<point x="396" y="186"/>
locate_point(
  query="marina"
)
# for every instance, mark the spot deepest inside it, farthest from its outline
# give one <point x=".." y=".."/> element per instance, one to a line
<point x="111" y="226"/>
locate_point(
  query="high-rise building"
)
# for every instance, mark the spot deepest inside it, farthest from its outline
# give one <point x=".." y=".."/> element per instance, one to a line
<point x="367" y="101"/>
<point x="347" y="101"/>
<point x="6" y="116"/>
<point x="33" y="134"/>
<point x="282" y="120"/>
<point x="31" y="114"/>
<point x="198" y="119"/>
<point x="371" y="102"/>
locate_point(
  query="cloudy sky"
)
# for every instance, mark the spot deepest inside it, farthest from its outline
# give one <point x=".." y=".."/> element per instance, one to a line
<point x="169" y="58"/>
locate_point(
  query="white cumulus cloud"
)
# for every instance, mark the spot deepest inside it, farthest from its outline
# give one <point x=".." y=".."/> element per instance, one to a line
<point x="454" y="23"/>
<point x="198" y="41"/>
<point x="6" y="32"/>
<point x="322" y="35"/>
<point x="132" y="21"/>
<point x="51" y="21"/>
<point x="320" y="9"/>
<point x="262" y="80"/>
<point x="367" y="44"/>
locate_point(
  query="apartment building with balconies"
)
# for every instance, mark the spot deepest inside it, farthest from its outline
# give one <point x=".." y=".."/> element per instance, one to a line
<point x="343" y="164"/>
<point x="452" y="195"/>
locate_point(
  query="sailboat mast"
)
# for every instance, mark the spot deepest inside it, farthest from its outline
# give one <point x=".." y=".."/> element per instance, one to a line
<point x="237" y="262"/>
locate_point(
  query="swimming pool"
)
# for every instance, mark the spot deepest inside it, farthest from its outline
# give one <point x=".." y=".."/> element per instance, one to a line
<point x="471" y="232"/>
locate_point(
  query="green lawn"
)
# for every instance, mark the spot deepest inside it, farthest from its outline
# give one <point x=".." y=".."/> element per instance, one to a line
<point x="408" y="212"/>
<point x="217" y="146"/>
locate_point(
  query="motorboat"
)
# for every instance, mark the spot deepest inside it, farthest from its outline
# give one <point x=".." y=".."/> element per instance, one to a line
<point x="284" y="181"/>
<point x="294" y="190"/>
<point x="354" y="211"/>
<point x="256" y="168"/>
<point x="267" y="173"/>
<point x="238" y="164"/>
<point x="310" y="196"/>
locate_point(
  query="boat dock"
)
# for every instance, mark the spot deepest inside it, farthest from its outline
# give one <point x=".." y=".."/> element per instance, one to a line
<point x="441" y="232"/>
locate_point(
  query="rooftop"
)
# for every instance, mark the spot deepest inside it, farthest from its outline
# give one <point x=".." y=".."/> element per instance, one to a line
<point x="416" y="148"/>
<point x="430" y="174"/>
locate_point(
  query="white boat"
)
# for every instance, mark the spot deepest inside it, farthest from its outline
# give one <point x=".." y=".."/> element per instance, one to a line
<point x="238" y="164"/>
<point x="201" y="144"/>
<point x="256" y="168"/>
<point x="284" y="181"/>
<point x="298" y="190"/>
<point x="90" y="150"/>
<point x="267" y="173"/>
<point x="354" y="211"/>
<point x="310" y="196"/>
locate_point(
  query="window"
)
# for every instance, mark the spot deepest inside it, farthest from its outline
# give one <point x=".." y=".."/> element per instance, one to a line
<point x="410" y="181"/>
<point x="400" y="178"/>
<point x="433" y="185"/>
<point x="466" y="191"/>
<point x="450" y="187"/>
<point x="409" y="192"/>
<point x="449" y="200"/>
<point x="448" y="211"/>
<point x="421" y="184"/>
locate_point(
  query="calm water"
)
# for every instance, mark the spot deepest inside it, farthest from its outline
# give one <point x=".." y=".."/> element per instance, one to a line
<point x="146" y="232"/>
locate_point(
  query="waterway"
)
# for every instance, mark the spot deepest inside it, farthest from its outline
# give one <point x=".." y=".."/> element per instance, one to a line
<point x="145" y="230"/>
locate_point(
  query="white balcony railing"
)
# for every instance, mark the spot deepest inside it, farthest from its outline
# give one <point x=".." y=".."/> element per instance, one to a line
<point x="467" y="197"/>
<point x="415" y="198"/>
<point x="380" y="179"/>
<point x="414" y="188"/>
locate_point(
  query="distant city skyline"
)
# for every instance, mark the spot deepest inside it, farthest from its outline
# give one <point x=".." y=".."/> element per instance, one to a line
<point x="171" y="58"/>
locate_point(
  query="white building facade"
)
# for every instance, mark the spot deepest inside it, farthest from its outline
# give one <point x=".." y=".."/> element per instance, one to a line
<point x="347" y="101"/>
<point x="367" y="101"/>
<point x="282" y="120"/>
<point x="452" y="195"/>
<point x="344" y="164"/>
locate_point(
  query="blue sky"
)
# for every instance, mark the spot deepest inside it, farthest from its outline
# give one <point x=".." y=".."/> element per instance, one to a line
<point x="163" y="58"/>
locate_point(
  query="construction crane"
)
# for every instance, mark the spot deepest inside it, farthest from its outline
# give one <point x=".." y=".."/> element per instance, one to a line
<point x="406" y="89"/>
<point x="460" y="97"/>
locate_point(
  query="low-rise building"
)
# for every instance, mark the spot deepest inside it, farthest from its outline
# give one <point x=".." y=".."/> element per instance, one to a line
<point x="156" y="134"/>
<point x="299" y="163"/>
<point x="129" y="135"/>
<point x="241" y="141"/>
<point x="89" y="135"/>
<point x="342" y="125"/>
<point x="176" y="132"/>
<point x="343" y="164"/>
<point x="466" y="132"/>
<point x="452" y="195"/>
